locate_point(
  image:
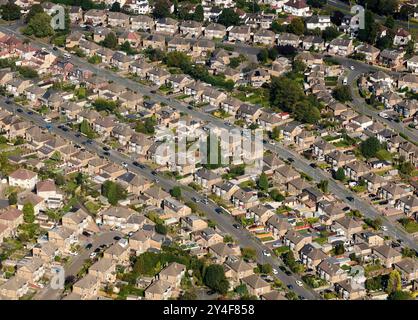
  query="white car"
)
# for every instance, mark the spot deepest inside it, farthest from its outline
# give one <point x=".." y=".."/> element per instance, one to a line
<point x="299" y="283"/>
<point x="124" y="164"/>
<point x="352" y="67"/>
<point x="93" y="254"/>
<point x="275" y="271"/>
<point x="266" y="253"/>
<point x="384" y="228"/>
<point x="384" y="115"/>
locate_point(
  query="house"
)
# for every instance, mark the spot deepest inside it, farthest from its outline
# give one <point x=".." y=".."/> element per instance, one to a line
<point x="95" y="17"/>
<point x="87" y="287"/>
<point x="46" y="252"/>
<point x="339" y="159"/>
<point x="371" y="239"/>
<point x="194" y="223"/>
<point x="221" y="251"/>
<point x="392" y="192"/>
<point x="320" y="22"/>
<point x="49" y="192"/>
<point x="330" y="271"/>
<point x="288" y="39"/>
<point x="391" y="58"/>
<point x="178" y="44"/>
<point x="285" y="174"/>
<point x="158" y="76"/>
<point x="207" y="237"/>
<point x="244" y="199"/>
<point x="341" y="47"/>
<point x="260" y="213"/>
<point x="77" y="221"/>
<point x="347" y="226"/>
<point x="104" y="270"/>
<point x="237" y="269"/>
<point x="295" y="240"/>
<point x="155" y="41"/>
<point x="408" y="204"/>
<point x="118" y="254"/>
<point x="412" y="64"/>
<point x="266" y="37"/>
<point x="158" y="290"/>
<point x="117" y="216"/>
<point x="258" y="77"/>
<point x="11" y="218"/>
<point x="240" y="33"/>
<point x="215" y="31"/>
<point x="176" y="208"/>
<point x="14" y="288"/>
<point x="314" y="43"/>
<point x="355" y="170"/>
<point x="173" y="274"/>
<point x="117" y="19"/>
<point x="297" y="8"/>
<point x="249" y="112"/>
<point x="349" y="289"/>
<point x="278" y="226"/>
<point x="322" y="148"/>
<point x="166" y="25"/>
<point x="191" y="28"/>
<point x="63" y="238"/>
<point x="206" y="178"/>
<point x="370" y="52"/>
<point x="408" y="268"/>
<point x="157" y="195"/>
<point x="409" y="151"/>
<point x="32" y="271"/>
<point x="133" y="38"/>
<point x="311" y="256"/>
<point x="387" y="255"/>
<point x="142" y="23"/>
<point x="409" y="81"/>
<point x="373" y="181"/>
<point x="256" y="285"/>
<point x="23" y="178"/>
<point x="402" y="37"/>
<point x="202" y="48"/>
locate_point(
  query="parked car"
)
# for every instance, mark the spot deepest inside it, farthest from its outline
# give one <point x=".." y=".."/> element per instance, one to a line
<point x="89" y="246"/>
<point x="299" y="283"/>
<point x="93" y="254"/>
<point x="266" y="253"/>
<point x="236" y="226"/>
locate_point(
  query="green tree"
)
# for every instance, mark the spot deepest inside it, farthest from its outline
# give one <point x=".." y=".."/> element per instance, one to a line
<point x="340" y="174"/>
<point x="400" y="295"/>
<point x="330" y="33"/>
<point x="342" y="93"/>
<point x="370" y="147"/>
<point x="28" y="213"/>
<point x="39" y="26"/>
<point x="86" y="129"/>
<point x="248" y="253"/>
<point x="276" y="195"/>
<point x="296" y="26"/>
<point x="110" y="41"/>
<point x="263" y="55"/>
<point x="215" y="278"/>
<point x="390" y="22"/>
<point x="113" y="192"/>
<point x="241" y="290"/>
<point x="176" y="192"/>
<point x="266" y="268"/>
<point x="339" y="249"/>
<point x="394" y="282"/>
<point x="263" y="182"/>
<point x="12" y="198"/>
<point x="161" y="9"/>
<point x="161" y="228"/>
<point x="115" y="7"/>
<point x="198" y="13"/>
<point x="323" y="186"/>
<point x="94" y="59"/>
<point x="10" y="11"/>
<point x="229" y="17"/>
<point x="34" y="9"/>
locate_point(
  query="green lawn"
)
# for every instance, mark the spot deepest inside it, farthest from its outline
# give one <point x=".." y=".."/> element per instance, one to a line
<point x="410" y="225"/>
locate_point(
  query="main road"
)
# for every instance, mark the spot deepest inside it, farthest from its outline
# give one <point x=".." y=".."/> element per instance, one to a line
<point x="223" y="221"/>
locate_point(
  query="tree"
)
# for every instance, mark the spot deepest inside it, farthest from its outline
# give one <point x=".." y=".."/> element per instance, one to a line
<point x="36" y="8"/>
<point x="176" y="192"/>
<point x="113" y="192"/>
<point x="339" y="249"/>
<point x="263" y="55"/>
<point x="27" y="72"/>
<point x="276" y="195"/>
<point x="110" y="41"/>
<point x="215" y="278"/>
<point x="390" y="22"/>
<point x="265" y="268"/>
<point x="161" y="228"/>
<point x="394" y="282"/>
<point x="28" y="213"/>
<point x="242" y="290"/>
<point x="340" y="174"/>
<point x="86" y="129"/>
<point x="94" y="59"/>
<point x="400" y="295"/>
<point x="39" y="26"/>
<point x="161" y="9"/>
<point x="385" y="42"/>
<point x="263" y="182"/>
<point x="316" y="3"/>
<point x="115" y="7"/>
<point x="10" y="11"/>
<point x="337" y="17"/>
<point x="370" y="147"/>
<point x="369" y="33"/>
<point x="198" y="13"/>
<point x="296" y="26"/>
<point x="298" y="66"/>
<point x="12" y="198"/>
<point x="248" y="253"/>
<point x="229" y="17"/>
<point x="323" y="186"/>
<point x="342" y="93"/>
<point x="330" y="33"/>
